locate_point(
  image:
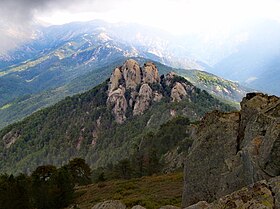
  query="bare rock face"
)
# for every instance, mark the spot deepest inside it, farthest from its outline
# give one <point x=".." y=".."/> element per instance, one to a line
<point x="157" y="96"/>
<point x="10" y="138"/>
<point x="150" y="73"/>
<point x="199" y="205"/>
<point x="143" y="100"/>
<point x="110" y="204"/>
<point x="131" y="74"/>
<point x="138" y="207"/>
<point x="125" y="80"/>
<point x="178" y="92"/>
<point x="117" y="101"/>
<point x="124" y="91"/>
<point x="168" y="78"/>
<point x="233" y="150"/>
<point x="261" y="195"/>
<point x="115" y="79"/>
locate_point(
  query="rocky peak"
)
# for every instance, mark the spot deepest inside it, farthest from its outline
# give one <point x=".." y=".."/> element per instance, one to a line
<point x="118" y="102"/>
<point x="169" y="77"/>
<point x="258" y="101"/>
<point x="178" y="92"/>
<point x="150" y="73"/>
<point x="138" y="87"/>
<point x="131" y="74"/>
<point x="233" y="150"/>
<point x="143" y="100"/>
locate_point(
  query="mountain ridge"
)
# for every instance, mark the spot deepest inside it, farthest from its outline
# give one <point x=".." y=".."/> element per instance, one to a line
<point x="76" y="126"/>
<point x="24" y="106"/>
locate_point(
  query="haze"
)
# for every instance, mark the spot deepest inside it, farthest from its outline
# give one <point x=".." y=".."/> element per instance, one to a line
<point x="176" y="16"/>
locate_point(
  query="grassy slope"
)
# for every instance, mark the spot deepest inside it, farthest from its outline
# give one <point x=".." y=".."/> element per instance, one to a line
<point x="150" y="192"/>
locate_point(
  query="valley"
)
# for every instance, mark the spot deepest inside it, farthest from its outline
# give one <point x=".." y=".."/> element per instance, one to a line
<point x="116" y="115"/>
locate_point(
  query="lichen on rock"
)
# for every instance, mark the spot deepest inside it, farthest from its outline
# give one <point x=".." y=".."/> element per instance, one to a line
<point x="232" y="150"/>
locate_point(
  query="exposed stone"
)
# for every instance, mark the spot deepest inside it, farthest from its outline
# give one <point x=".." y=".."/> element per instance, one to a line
<point x="117" y="100"/>
<point x="150" y="73"/>
<point x="110" y="204"/>
<point x="199" y="205"/>
<point x="138" y="207"/>
<point x="10" y="138"/>
<point x="124" y="91"/>
<point x="178" y="92"/>
<point x="143" y="100"/>
<point x="115" y="80"/>
<point x="232" y="150"/>
<point x="261" y="195"/>
<point x="173" y="113"/>
<point x="168" y="78"/>
<point x="257" y="196"/>
<point x="131" y="73"/>
<point x="274" y="185"/>
<point x="173" y="160"/>
<point x="169" y="207"/>
<point x="157" y="96"/>
<point x="132" y="99"/>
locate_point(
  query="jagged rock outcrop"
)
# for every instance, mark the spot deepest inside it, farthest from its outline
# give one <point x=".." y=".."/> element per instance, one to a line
<point x="131" y="74"/>
<point x="150" y="73"/>
<point x="115" y="79"/>
<point x="261" y="195"/>
<point x="110" y="204"/>
<point x="232" y="150"/>
<point x="143" y="100"/>
<point x="178" y="92"/>
<point x="117" y="100"/>
<point x="138" y="87"/>
<point x="10" y="138"/>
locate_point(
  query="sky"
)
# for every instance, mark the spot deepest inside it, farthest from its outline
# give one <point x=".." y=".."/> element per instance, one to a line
<point x="175" y="16"/>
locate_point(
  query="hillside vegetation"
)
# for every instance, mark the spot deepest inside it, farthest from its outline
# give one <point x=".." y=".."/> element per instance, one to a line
<point x="78" y="126"/>
<point x="29" y="98"/>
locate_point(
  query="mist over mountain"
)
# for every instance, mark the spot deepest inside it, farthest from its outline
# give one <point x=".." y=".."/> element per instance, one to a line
<point x="248" y="55"/>
<point x="58" y="61"/>
<point x="255" y="62"/>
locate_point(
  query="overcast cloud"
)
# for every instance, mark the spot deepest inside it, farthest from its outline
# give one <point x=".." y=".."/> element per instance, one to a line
<point x="176" y="16"/>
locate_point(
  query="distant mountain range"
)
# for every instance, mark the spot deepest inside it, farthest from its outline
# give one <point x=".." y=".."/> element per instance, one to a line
<point x="248" y="55"/>
<point x="64" y="60"/>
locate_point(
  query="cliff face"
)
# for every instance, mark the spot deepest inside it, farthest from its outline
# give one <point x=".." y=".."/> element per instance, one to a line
<point x="135" y="87"/>
<point x="232" y="150"/>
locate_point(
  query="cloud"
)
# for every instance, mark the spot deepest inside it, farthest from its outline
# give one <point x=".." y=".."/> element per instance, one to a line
<point x="22" y="11"/>
<point x="175" y="16"/>
<point x="18" y="17"/>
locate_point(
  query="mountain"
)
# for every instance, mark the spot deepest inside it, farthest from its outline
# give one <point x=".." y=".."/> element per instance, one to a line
<point x="25" y="105"/>
<point x="145" y="41"/>
<point x="255" y="62"/>
<point x="248" y="55"/>
<point x="132" y="104"/>
<point x="234" y="150"/>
